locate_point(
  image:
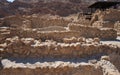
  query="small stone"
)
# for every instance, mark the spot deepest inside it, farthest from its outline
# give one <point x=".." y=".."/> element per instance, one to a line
<point x="105" y="58"/>
<point x="93" y="61"/>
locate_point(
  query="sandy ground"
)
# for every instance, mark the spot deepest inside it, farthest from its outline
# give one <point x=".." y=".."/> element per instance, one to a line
<point x="113" y="42"/>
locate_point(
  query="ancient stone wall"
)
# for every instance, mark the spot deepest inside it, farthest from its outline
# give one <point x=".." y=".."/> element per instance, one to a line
<point x="4" y="33"/>
<point x="58" y="68"/>
<point x="106" y="19"/>
<point x="33" y="21"/>
<point x="74" y="30"/>
<point x="110" y="15"/>
<point x="12" y="21"/>
<point x="35" y="48"/>
<point x="87" y="31"/>
<point x="44" y="22"/>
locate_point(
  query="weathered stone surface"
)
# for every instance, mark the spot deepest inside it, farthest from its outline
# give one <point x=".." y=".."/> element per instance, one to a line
<point x="106" y="19"/>
<point x="108" y="34"/>
<point x="108" y="68"/>
<point x="38" y="22"/>
<point x="28" y="47"/>
<point x="114" y="58"/>
<point x="4" y="33"/>
<point x="92" y="32"/>
<point x="49" y="68"/>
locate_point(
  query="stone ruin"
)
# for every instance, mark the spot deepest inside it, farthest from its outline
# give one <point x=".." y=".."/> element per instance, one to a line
<point x="107" y="19"/>
<point x="53" y="45"/>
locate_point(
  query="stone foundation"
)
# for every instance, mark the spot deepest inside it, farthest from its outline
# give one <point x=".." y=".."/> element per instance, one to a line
<point x="53" y="68"/>
<point x="51" y="49"/>
<point x="91" y="32"/>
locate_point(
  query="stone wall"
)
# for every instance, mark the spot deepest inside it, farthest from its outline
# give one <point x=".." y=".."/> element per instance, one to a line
<point x="38" y="22"/>
<point x="113" y="58"/>
<point x="35" y="48"/>
<point x="106" y="19"/>
<point x="58" y="69"/>
<point x="87" y="31"/>
<point x="110" y="15"/>
<point x="55" y="35"/>
<point x="12" y="21"/>
<point x="75" y="31"/>
<point x="34" y="21"/>
<point x="4" y="33"/>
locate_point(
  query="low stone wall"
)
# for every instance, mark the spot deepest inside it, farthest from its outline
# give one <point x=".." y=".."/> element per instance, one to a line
<point x="75" y="31"/>
<point x="91" y="32"/>
<point x="106" y="18"/>
<point x="109" y="34"/>
<point x="114" y="58"/>
<point x="34" y="21"/>
<point x="38" y="22"/>
<point x="51" y="49"/>
<point x="103" y="24"/>
<point x="57" y="69"/>
<point x="12" y="21"/>
<point x="4" y="33"/>
<point x="55" y="35"/>
<point x="110" y="15"/>
<point x="117" y="27"/>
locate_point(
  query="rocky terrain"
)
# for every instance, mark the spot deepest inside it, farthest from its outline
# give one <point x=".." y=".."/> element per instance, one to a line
<point x="35" y="41"/>
<point x="55" y="7"/>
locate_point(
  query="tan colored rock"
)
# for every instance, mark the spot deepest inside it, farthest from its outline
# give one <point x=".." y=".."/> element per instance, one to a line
<point x="50" y="68"/>
<point x="81" y="39"/>
<point x="114" y="58"/>
<point x="107" y="58"/>
<point x="92" y="32"/>
<point x="96" y="40"/>
<point x="70" y="40"/>
<point x="28" y="41"/>
<point x="38" y="22"/>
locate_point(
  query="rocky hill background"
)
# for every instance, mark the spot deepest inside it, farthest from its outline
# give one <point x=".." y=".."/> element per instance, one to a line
<point x="54" y="7"/>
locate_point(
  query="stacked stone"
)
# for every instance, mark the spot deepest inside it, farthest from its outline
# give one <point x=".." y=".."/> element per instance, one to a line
<point x="107" y="19"/>
<point x="50" y="68"/>
<point x="69" y="48"/>
<point x="74" y="30"/>
<point x="91" y="32"/>
<point x="4" y="33"/>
